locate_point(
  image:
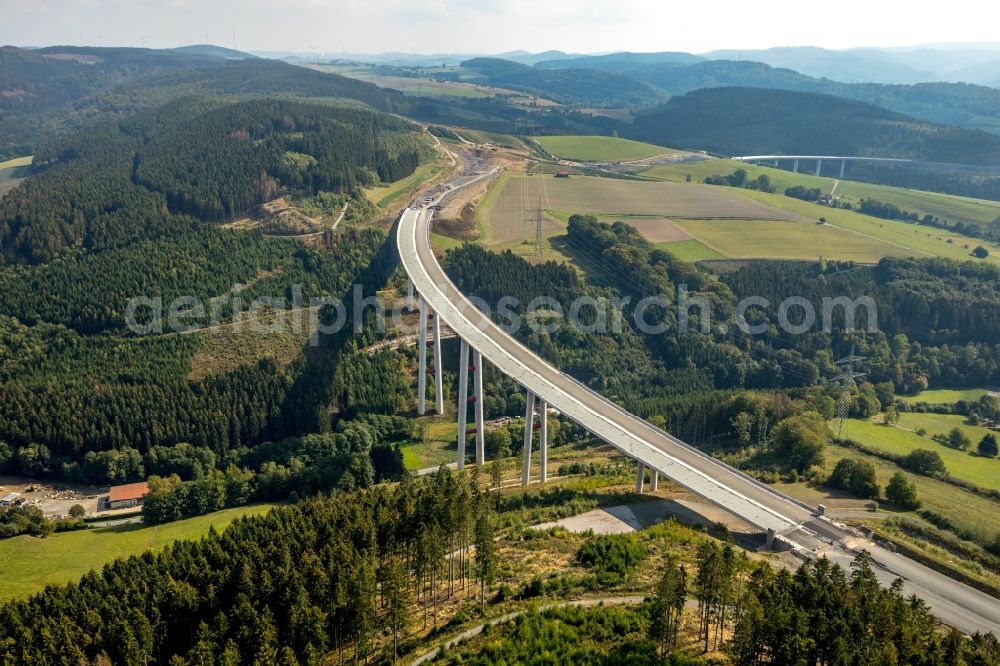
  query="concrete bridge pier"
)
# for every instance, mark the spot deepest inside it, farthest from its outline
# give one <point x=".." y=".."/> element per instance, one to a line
<point x="795" y="166"/>
<point x="819" y="167"/>
<point x="640" y="477"/>
<point x="463" y="400"/>
<point x="438" y="370"/>
<point x="654" y="480"/>
<point x="543" y="441"/>
<point x="529" y="427"/>
<point x="409" y="294"/>
<point x="477" y="391"/>
<point x="843" y="164"/>
<point x="422" y="356"/>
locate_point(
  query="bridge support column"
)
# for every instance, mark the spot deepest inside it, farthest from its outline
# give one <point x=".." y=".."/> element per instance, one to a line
<point x="640" y="478"/>
<point x="422" y="355"/>
<point x="843" y="163"/>
<point x="654" y="480"/>
<point x="463" y="400"/>
<point x="409" y="294"/>
<point x="477" y="391"/>
<point x="819" y="167"/>
<point x="543" y="441"/>
<point x="769" y="543"/>
<point x="529" y="427"/>
<point x="795" y="166"/>
<point x="438" y="370"/>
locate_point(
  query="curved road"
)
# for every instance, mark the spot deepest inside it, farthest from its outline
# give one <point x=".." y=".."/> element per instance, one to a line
<point x="796" y="523"/>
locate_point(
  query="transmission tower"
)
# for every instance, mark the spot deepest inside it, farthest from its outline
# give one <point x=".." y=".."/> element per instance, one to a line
<point x="847" y="382"/>
<point x="538" y="228"/>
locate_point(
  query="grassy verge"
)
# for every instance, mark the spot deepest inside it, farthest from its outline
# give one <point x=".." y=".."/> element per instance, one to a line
<point x="393" y="194"/>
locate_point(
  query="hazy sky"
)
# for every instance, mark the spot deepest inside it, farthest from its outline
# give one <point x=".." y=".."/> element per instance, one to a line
<point x="492" y="26"/>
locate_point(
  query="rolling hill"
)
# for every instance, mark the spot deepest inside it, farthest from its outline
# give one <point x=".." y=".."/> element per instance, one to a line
<point x="841" y="66"/>
<point x="53" y="91"/>
<point x="965" y="105"/>
<point x="623" y="62"/>
<point x="578" y="86"/>
<point x="746" y="121"/>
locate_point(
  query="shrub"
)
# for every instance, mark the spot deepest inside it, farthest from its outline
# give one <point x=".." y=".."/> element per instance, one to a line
<point x="922" y="461"/>
<point x="958" y="439"/>
<point x="614" y="556"/>
<point x="988" y="446"/>
<point x="902" y="492"/>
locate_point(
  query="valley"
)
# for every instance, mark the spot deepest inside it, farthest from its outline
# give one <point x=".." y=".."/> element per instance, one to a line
<point x="196" y="261"/>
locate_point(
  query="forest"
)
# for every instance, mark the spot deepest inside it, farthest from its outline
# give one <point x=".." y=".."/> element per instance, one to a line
<point x="194" y="158"/>
<point x="341" y="577"/>
<point x="126" y="210"/>
<point x="48" y="96"/>
<point x="323" y="575"/>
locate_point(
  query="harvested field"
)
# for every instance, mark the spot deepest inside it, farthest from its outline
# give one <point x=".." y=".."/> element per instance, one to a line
<point x="658" y="231"/>
<point x="505" y="211"/>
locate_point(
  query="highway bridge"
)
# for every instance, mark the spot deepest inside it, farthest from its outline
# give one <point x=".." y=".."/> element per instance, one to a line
<point x="819" y="159"/>
<point x="776" y="160"/>
<point x="781" y="517"/>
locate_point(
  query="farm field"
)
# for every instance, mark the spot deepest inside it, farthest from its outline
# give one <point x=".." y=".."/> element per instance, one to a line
<point x="599" y="148"/>
<point x="11" y="173"/>
<point x="945" y="206"/>
<point x="505" y="209"/>
<point x="786" y="239"/>
<point x="943" y="396"/>
<point x="31" y="563"/>
<point x="901" y="440"/>
<point x="407" y="84"/>
<point x="690" y="250"/>
<point x="916" y="240"/>
<point x="16" y="162"/>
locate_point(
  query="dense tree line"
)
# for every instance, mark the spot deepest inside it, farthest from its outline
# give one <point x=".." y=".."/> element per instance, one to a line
<point x="804" y="193"/>
<point x="330" y="574"/>
<point x="822" y="614"/>
<point x="739" y="179"/>
<point x="290" y="469"/>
